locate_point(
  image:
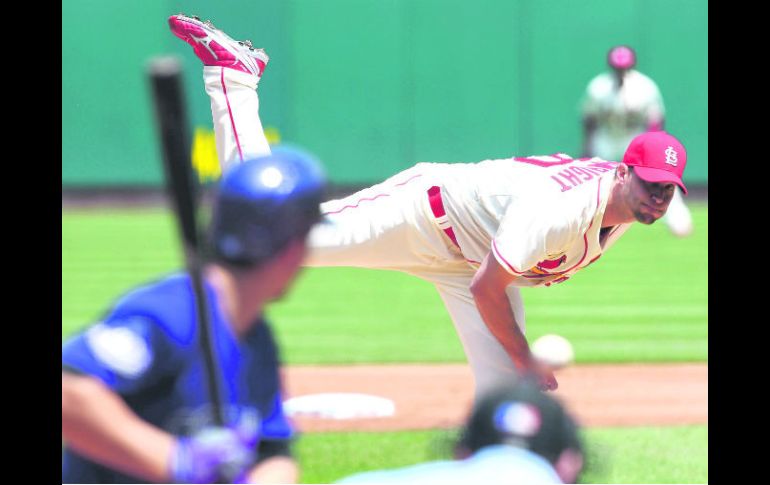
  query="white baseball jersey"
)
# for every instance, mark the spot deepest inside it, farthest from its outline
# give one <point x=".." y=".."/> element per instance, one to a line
<point x="621" y="112"/>
<point x="539" y="216"/>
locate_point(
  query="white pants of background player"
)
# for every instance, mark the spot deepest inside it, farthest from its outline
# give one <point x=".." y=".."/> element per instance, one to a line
<point x="678" y="217"/>
<point x="386" y="226"/>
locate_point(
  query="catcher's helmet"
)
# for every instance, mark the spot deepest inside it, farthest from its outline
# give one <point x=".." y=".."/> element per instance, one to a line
<point x="521" y="415"/>
<point x="262" y="204"/>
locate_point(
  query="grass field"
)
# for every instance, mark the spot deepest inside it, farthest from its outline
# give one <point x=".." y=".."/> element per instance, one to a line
<point x="614" y="455"/>
<point x="646" y="300"/>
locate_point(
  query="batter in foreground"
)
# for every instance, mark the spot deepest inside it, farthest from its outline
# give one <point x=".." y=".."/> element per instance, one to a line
<point x="477" y="231"/>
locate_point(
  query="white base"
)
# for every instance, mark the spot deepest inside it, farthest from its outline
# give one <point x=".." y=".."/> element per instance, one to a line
<point x="339" y="405"/>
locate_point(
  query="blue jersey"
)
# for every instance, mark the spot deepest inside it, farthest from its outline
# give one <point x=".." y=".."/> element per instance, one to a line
<point x="492" y="465"/>
<point x="147" y="350"/>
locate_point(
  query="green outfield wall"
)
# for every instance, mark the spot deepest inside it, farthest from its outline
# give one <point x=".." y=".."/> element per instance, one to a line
<point x="373" y="86"/>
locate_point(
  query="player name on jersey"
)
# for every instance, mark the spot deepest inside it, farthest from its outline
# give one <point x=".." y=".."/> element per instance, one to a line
<point x="573" y="176"/>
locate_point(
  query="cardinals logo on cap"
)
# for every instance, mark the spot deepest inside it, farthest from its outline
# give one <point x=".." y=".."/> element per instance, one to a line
<point x="671" y="156"/>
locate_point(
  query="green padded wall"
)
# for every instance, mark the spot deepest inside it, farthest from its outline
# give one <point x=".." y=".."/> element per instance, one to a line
<point x="373" y="86"/>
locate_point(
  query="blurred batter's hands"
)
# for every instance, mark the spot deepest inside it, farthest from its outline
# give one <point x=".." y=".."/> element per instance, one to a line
<point x="213" y="455"/>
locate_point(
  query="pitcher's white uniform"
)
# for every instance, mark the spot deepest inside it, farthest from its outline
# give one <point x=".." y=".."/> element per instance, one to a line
<point x="540" y="217"/>
<point x="623" y="112"/>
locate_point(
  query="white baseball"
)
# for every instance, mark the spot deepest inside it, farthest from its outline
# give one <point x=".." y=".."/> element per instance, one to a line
<point x="553" y="350"/>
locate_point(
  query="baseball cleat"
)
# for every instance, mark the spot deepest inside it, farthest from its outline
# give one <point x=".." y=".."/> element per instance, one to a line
<point x="215" y="48"/>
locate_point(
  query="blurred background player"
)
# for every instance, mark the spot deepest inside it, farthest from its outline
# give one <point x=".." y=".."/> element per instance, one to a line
<point x="134" y="396"/>
<point x="477" y="231"/>
<point x="515" y="435"/>
<point x="619" y="105"/>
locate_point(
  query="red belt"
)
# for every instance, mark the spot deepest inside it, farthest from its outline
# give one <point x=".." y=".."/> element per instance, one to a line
<point x="437" y="207"/>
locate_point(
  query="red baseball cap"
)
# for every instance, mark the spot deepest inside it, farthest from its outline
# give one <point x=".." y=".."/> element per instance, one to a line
<point x="657" y="157"/>
<point x="621" y="57"/>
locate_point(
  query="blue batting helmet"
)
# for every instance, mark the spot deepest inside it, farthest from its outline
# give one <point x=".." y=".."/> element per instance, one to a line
<point x="263" y="203"/>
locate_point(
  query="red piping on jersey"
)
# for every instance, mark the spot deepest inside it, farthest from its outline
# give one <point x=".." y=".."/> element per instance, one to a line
<point x="230" y="112"/>
<point x="585" y="243"/>
<point x="614" y="229"/>
<point x="372" y="198"/>
<point x="545" y="273"/>
<point x="497" y="252"/>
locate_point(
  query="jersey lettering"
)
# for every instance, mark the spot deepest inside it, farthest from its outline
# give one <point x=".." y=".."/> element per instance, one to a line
<point x="581" y="171"/>
<point x="573" y="176"/>
<point x="563" y="186"/>
<point x="570" y="177"/>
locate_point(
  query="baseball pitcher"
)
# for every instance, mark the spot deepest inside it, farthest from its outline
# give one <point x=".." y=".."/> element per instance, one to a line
<point x="477" y="231"/>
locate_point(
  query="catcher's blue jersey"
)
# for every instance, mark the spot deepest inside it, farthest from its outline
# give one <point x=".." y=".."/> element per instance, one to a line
<point x="147" y="350"/>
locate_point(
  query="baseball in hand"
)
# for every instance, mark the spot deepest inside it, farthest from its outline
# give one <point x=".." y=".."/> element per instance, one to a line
<point x="553" y="351"/>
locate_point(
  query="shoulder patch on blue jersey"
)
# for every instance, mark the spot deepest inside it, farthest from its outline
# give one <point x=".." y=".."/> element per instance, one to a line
<point x="119" y="348"/>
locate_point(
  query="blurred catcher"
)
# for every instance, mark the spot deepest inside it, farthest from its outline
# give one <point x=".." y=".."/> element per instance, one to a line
<point x="134" y="400"/>
<point x="477" y="231"/>
<point x="514" y="435"/>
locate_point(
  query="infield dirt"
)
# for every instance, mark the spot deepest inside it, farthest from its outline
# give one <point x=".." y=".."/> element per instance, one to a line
<point x="439" y="396"/>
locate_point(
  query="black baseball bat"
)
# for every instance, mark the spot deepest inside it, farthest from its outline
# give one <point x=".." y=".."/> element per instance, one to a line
<point x="165" y="75"/>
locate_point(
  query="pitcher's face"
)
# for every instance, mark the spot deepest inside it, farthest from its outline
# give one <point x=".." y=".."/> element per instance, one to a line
<point x="648" y="201"/>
